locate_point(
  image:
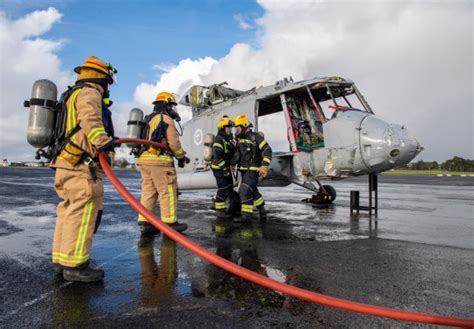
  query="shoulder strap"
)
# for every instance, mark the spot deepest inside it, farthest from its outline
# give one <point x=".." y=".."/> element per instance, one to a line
<point x="218" y="139"/>
<point x="253" y="137"/>
<point x="160" y="131"/>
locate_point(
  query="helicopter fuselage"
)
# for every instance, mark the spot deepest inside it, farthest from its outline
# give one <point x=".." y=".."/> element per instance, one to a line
<point x="353" y="140"/>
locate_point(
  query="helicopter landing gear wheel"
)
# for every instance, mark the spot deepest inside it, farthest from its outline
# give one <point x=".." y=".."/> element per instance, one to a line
<point x="329" y="195"/>
<point x="325" y="195"/>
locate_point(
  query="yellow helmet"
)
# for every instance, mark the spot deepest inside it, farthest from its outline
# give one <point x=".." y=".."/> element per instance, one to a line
<point x="242" y="120"/>
<point x="94" y="65"/>
<point x="165" y="97"/>
<point x="224" y="121"/>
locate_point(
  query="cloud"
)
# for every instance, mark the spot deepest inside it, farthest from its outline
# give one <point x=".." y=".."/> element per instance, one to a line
<point x="176" y="79"/>
<point x="25" y="57"/>
<point x="412" y="61"/>
<point x="165" y="67"/>
<point x="243" y="22"/>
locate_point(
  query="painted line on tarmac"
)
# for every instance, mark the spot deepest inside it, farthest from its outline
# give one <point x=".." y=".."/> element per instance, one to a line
<point x="64" y="285"/>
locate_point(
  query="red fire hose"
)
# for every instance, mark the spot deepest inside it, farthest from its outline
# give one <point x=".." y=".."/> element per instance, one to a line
<point x="264" y="281"/>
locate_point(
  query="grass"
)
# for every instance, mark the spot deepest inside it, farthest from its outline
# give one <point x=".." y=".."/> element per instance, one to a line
<point x="427" y="172"/>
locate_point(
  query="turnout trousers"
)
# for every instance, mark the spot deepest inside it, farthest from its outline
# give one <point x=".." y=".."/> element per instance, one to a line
<point x="248" y="191"/>
<point x="159" y="182"/>
<point x="225" y="187"/>
<point x="78" y="215"/>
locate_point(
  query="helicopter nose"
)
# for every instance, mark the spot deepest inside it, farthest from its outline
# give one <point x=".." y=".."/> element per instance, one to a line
<point x="402" y="145"/>
<point x="385" y="146"/>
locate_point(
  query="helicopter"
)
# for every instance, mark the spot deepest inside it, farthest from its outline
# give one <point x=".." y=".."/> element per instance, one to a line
<point x="352" y="140"/>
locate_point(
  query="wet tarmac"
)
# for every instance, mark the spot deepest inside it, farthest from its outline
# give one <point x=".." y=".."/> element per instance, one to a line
<point x="418" y="255"/>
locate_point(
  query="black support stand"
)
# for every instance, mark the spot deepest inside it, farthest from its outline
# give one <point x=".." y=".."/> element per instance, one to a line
<point x="373" y="198"/>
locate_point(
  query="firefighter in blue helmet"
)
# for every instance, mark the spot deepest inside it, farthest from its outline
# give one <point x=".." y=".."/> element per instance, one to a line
<point x="253" y="155"/>
<point x="222" y="151"/>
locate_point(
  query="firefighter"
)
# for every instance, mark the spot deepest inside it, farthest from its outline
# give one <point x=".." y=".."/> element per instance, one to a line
<point x="253" y="155"/>
<point x="222" y="151"/>
<point x="78" y="179"/>
<point x="157" y="166"/>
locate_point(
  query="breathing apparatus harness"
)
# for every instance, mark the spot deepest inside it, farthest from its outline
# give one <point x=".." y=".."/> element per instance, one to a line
<point x="85" y="157"/>
<point x="159" y="133"/>
<point x="61" y="137"/>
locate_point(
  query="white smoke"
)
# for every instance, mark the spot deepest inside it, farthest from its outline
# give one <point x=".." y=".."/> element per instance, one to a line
<point x="25" y="57"/>
<point x="176" y="79"/>
<point x="413" y="62"/>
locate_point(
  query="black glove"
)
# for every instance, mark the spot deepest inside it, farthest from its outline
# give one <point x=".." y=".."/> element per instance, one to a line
<point x="109" y="147"/>
<point x="226" y="171"/>
<point x="115" y="142"/>
<point x="182" y="161"/>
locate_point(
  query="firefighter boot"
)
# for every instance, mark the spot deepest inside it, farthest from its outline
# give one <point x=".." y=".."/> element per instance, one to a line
<point x="179" y="227"/>
<point x="147" y="229"/>
<point x="83" y="273"/>
<point x="58" y="268"/>
<point x="263" y="213"/>
<point x="243" y="218"/>
<point x="222" y="214"/>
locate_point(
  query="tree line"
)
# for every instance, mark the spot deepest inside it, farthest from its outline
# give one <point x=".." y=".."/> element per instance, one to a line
<point x="454" y="164"/>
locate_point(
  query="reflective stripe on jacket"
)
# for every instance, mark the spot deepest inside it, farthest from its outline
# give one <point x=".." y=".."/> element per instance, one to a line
<point x="222" y="152"/>
<point x="252" y="151"/>
<point x="84" y="108"/>
<point x="157" y="157"/>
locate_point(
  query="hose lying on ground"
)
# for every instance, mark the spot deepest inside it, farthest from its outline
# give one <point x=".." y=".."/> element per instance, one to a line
<point x="264" y="281"/>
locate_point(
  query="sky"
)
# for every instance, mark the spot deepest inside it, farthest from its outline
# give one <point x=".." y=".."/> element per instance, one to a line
<point x="412" y="60"/>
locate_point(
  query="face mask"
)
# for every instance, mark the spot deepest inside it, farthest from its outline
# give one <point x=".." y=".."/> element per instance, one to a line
<point x="228" y="131"/>
<point x="173" y="113"/>
<point x="239" y="131"/>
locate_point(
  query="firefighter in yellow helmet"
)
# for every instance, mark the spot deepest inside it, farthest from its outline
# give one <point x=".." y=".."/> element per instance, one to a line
<point x="78" y="179"/>
<point x="253" y="155"/>
<point x="157" y="166"/>
<point x="222" y="151"/>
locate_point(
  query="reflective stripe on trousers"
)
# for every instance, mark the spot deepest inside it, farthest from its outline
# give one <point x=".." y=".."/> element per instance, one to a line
<point x="248" y="191"/>
<point x="225" y="187"/>
<point x="159" y="182"/>
<point x="76" y="216"/>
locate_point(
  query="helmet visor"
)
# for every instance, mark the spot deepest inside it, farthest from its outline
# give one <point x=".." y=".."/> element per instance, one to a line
<point x="228" y="130"/>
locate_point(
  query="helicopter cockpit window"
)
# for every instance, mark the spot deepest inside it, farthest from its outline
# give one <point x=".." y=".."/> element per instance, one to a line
<point x="306" y="121"/>
<point x="338" y="98"/>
